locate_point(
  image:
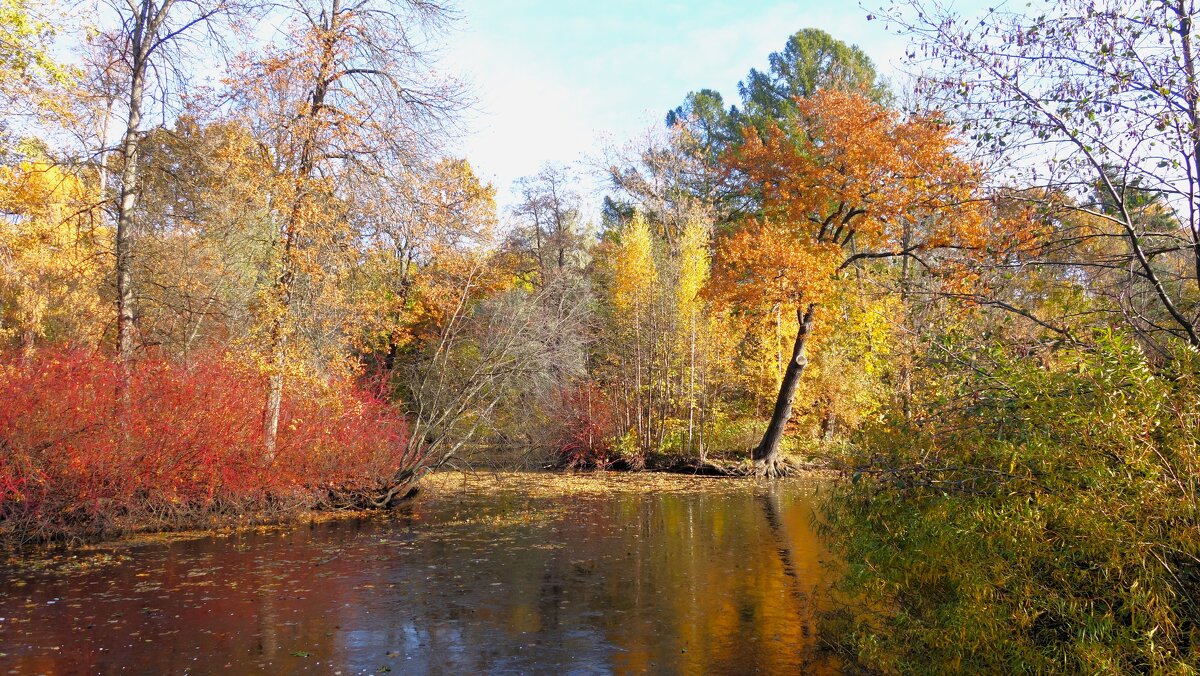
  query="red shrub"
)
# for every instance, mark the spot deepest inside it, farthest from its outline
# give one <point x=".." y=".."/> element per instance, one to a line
<point x="585" y="436"/>
<point x="73" y="458"/>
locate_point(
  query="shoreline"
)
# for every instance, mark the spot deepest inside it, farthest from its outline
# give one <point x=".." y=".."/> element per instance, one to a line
<point x="217" y="525"/>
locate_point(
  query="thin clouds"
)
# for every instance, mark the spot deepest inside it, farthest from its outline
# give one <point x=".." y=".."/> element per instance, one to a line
<point x="555" y="79"/>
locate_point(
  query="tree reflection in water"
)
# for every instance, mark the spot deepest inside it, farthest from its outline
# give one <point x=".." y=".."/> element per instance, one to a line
<point x="532" y="573"/>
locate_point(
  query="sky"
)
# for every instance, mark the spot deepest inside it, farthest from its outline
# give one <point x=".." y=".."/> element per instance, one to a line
<point x="558" y="80"/>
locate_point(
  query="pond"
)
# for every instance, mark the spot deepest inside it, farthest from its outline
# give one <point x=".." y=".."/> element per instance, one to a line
<point x="513" y="573"/>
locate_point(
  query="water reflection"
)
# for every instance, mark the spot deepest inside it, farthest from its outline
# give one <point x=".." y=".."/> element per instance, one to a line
<point x="680" y="575"/>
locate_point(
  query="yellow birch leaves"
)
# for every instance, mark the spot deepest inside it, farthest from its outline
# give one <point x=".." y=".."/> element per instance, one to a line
<point x="636" y="276"/>
<point x="49" y="256"/>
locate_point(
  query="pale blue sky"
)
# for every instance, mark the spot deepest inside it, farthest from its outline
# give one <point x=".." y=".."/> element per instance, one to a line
<point x="557" y="79"/>
<point x="560" y="80"/>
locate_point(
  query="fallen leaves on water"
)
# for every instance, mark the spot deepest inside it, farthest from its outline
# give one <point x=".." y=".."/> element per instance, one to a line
<point x="554" y="484"/>
<point x="63" y="564"/>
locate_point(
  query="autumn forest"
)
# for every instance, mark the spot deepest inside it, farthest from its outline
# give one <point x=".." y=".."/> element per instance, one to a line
<point x="246" y="278"/>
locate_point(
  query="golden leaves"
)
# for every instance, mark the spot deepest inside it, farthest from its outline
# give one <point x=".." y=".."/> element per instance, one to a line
<point x="859" y="182"/>
<point x="49" y="263"/>
<point x="767" y="262"/>
<point x="636" y="278"/>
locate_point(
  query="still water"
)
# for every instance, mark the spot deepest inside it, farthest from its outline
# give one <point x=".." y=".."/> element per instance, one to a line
<point x="480" y="574"/>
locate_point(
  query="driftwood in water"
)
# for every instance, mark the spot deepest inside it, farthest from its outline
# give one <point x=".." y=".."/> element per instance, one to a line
<point x="782" y="467"/>
<point x="401" y="487"/>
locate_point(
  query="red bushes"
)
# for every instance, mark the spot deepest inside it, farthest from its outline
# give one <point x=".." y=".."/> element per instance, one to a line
<point x="585" y="435"/>
<point x="73" y="458"/>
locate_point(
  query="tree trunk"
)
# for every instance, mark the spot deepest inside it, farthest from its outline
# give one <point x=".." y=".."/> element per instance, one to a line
<point x="126" y="203"/>
<point x="285" y="281"/>
<point x="828" y="426"/>
<point x="278" y="335"/>
<point x="766" y="454"/>
<point x="274" y="392"/>
<point x="1191" y="96"/>
<point x="691" y="382"/>
<point x="905" y="369"/>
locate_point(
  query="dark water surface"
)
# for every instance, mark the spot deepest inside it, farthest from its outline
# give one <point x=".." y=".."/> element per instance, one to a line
<point x="513" y="574"/>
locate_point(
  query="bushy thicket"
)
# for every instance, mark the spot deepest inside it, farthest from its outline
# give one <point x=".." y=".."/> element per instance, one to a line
<point x="80" y="455"/>
<point x="1039" y="517"/>
<point x="584" y="434"/>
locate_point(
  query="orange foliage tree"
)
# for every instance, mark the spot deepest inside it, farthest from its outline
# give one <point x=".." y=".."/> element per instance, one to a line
<point x="859" y="183"/>
<point x="347" y="96"/>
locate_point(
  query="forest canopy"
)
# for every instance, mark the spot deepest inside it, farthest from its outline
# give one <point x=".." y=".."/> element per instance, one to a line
<point x="244" y="270"/>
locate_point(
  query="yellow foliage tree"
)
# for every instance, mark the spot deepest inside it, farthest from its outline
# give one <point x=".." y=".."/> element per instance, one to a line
<point x="862" y="184"/>
<point x="634" y="292"/>
<point x="695" y="264"/>
<point x="637" y="275"/>
<point x="346" y="97"/>
<point x="28" y="73"/>
<point x="50" y="264"/>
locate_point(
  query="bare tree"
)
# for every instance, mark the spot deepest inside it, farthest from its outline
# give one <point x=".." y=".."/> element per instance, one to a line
<point x="671" y="177"/>
<point x="550" y="227"/>
<point x="1094" y="109"/>
<point x="522" y="340"/>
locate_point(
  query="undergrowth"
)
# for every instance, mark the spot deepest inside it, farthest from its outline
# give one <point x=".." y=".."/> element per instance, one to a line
<point x="82" y="455"/>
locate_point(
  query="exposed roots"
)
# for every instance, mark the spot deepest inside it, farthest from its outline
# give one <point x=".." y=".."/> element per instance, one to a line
<point x="773" y="468"/>
<point x="776" y="468"/>
<point x="386" y="496"/>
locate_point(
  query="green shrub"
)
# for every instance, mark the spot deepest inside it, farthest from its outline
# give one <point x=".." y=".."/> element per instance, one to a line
<point x="734" y="436"/>
<point x="1039" y="517"/>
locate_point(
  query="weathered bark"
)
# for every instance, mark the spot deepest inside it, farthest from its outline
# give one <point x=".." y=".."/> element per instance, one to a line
<point x="274" y="397"/>
<point x="126" y="203"/>
<point x="766" y="454"/>
<point x="278" y="336"/>
<point x="143" y="33"/>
